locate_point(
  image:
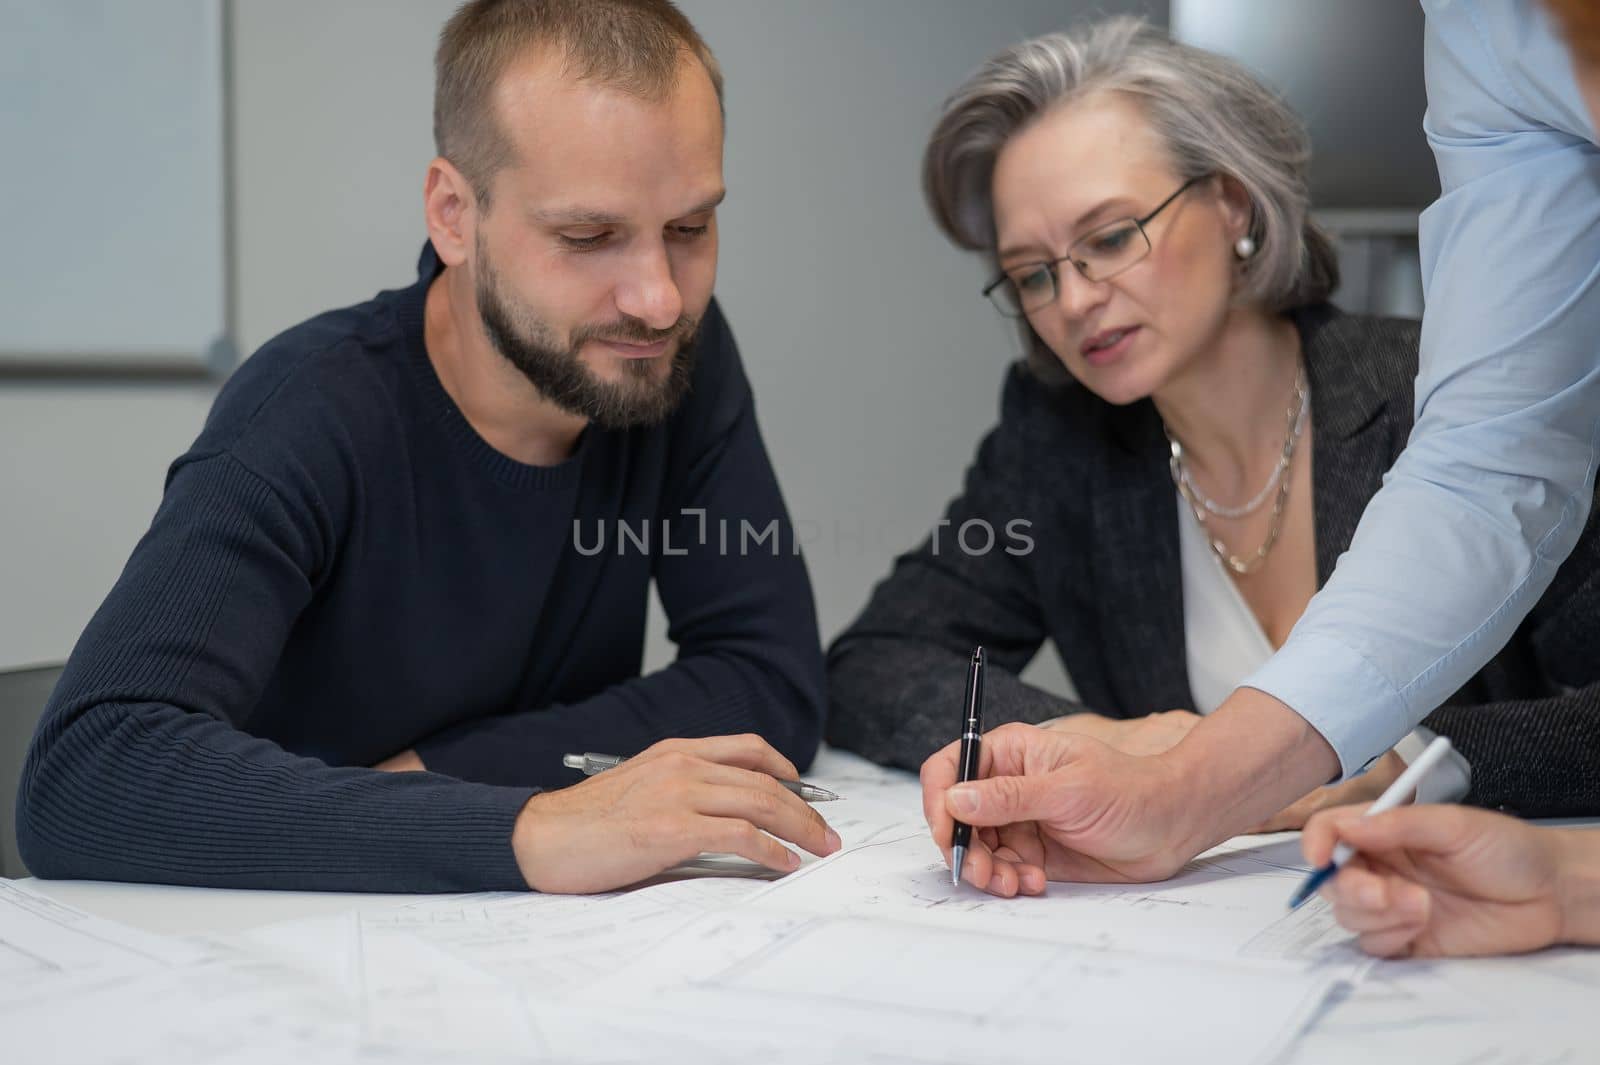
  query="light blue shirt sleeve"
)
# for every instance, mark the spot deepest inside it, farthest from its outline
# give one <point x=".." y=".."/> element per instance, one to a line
<point x="1494" y="485"/>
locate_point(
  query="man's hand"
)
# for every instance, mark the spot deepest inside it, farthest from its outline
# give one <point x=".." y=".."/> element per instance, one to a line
<point x="407" y="761"/>
<point x="674" y="801"/>
<point x="1150" y="734"/>
<point x="1362" y="789"/>
<point x="1431" y="881"/>
<point x="1067" y="807"/>
<point x="1058" y="806"/>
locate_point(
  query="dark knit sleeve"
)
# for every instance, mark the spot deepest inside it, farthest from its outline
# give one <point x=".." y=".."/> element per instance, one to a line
<point x="897" y="675"/>
<point x="738" y="604"/>
<point x="1531" y="757"/>
<point x="139" y="769"/>
<point x="1540" y="757"/>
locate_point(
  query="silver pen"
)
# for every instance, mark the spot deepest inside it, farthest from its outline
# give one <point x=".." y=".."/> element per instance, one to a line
<point x="598" y="763"/>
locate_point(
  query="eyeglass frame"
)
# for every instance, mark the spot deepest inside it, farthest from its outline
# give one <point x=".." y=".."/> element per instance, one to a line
<point x="1051" y="265"/>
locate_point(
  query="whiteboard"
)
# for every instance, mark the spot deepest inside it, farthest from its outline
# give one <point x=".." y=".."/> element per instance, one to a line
<point x="115" y="186"/>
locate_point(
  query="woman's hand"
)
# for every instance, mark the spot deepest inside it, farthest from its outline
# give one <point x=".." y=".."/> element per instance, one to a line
<point x="1438" y="880"/>
<point x="1151" y="734"/>
<point x="1362" y="789"/>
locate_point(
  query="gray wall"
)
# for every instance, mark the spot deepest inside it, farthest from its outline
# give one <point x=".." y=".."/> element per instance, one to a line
<point x="875" y="363"/>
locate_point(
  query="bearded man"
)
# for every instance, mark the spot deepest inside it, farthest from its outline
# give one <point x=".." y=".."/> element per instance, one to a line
<point x="404" y="568"/>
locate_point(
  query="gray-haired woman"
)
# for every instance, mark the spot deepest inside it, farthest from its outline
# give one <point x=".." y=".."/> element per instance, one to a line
<point x="1191" y="443"/>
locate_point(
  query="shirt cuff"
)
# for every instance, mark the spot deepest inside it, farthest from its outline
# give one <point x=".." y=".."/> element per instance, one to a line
<point x="1450" y="780"/>
<point x="1340" y="694"/>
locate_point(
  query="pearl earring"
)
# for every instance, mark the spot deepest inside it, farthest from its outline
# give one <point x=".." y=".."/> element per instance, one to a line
<point x="1244" y="247"/>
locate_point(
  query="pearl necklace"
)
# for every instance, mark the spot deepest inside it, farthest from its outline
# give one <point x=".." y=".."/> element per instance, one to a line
<point x="1201" y="504"/>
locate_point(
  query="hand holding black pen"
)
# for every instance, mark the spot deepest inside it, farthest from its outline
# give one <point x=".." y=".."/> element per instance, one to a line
<point x="971" y="749"/>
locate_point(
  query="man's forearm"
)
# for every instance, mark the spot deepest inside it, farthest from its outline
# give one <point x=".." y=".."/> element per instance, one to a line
<point x="1249" y="759"/>
<point x="147" y="792"/>
<point x="707" y="695"/>
<point x="1578" y="855"/>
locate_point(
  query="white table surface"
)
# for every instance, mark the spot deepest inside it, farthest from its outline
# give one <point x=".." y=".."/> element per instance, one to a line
<point x="169" y="910"/>
<point x="172" y="910"/>
<point x="1356" y="1030"/>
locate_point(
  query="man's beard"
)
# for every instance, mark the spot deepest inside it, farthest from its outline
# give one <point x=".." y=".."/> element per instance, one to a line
<point x="643" y="397"/>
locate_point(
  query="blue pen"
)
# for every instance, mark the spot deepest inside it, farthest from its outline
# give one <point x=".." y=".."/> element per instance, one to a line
<point x="1396" y="794"/>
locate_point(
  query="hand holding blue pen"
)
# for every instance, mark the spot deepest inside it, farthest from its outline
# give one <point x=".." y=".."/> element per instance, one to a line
<point x="1396" y="794"/>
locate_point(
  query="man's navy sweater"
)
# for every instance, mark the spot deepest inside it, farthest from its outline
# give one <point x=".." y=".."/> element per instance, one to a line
<point x="341" y="569"/>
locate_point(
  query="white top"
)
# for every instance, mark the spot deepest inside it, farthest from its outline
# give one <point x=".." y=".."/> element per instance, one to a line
<point x="1225" y="643"/>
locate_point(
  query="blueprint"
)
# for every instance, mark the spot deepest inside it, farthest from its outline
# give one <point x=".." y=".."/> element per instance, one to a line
<point x="857" y="988"/>
<point x="868" y="955"/>
<point x="1228" y="906"/>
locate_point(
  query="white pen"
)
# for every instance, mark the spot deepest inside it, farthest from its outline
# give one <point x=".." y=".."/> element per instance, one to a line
<point x="592" y="763"/>
<point x="1396" y="794"/>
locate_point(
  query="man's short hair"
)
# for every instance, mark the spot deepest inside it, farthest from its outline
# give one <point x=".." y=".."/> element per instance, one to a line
<point x="637" y="46"/>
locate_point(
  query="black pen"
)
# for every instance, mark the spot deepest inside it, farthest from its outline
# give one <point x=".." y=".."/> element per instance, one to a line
<point x="971" y="747"/>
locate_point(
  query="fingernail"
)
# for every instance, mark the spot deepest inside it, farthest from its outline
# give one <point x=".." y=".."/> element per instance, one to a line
<point x="794" y="860"/>
<point x="834" y="842"/>
<point x="965" y="800"/>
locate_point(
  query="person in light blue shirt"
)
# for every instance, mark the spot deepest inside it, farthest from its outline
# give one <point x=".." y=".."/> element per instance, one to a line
<point x="1493" y="489"/>
<point x="1440" y="880"/>
<point x="1470" y="526"/>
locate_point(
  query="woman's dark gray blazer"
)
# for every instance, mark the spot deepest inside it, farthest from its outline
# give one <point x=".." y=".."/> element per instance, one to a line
<point x="1103" y="582"/>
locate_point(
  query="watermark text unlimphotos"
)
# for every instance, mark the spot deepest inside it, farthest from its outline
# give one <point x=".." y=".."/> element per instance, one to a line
<point x="693" y="531"/>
